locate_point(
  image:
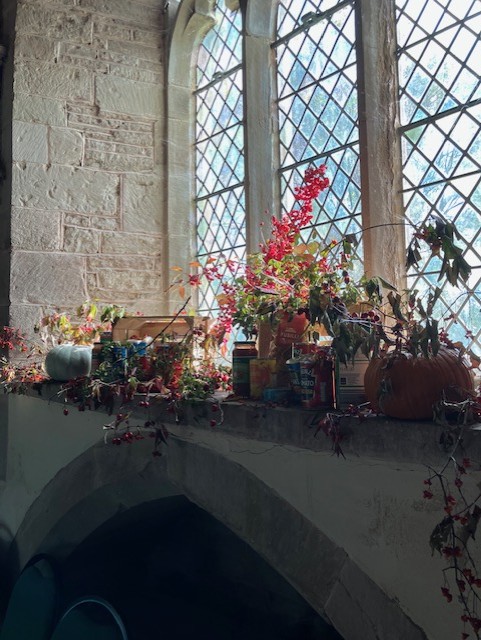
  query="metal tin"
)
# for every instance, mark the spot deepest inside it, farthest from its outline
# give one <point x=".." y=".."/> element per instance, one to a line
<point x="317" y="380"/>
<point x="277" y="395"/>
<point x="96" y="357"/>
<point x="294" y="367"/>
<point x="119" y="360"/>
<point x="262" y="374"/>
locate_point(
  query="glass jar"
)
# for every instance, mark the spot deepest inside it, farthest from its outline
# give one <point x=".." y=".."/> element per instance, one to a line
<point x="242" y="354"/>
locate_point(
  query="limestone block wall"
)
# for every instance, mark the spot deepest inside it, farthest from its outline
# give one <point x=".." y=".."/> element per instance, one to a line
<point x="7" y="27"/>
<point x="350" y="534"/>
<point x="87" y="198"/>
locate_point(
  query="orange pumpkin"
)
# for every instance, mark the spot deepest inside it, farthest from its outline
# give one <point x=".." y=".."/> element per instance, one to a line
<point x="402" y="386"/>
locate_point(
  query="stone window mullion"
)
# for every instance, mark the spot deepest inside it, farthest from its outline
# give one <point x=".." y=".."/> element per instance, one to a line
<point x="381" y="177"/>
<point x="262" y="197"/>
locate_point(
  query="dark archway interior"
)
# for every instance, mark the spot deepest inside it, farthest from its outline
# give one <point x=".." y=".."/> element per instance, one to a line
<point x="173" y="571"/>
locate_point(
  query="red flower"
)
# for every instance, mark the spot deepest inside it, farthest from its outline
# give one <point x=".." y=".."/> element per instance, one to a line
<point x="446" y="593"/>
<point x="452" y="552"/>
<point x="194" y="280"/>
<point x="475" y="623"/>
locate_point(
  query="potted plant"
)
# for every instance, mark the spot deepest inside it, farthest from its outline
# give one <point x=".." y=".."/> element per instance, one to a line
<point x="310" y="283"/>
<point x="413" y="362"/>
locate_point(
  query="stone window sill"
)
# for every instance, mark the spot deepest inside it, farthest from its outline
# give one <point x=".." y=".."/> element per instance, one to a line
<point x="377" y="437"/>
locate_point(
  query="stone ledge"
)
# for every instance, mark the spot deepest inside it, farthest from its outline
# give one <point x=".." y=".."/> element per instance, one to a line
<point x="379" y="438"/>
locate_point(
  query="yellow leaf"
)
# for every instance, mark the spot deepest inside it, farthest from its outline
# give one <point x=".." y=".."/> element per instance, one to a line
<point x="194" y="264"/>
<point x="221" y="298"/>
<point x="306" y="257"/>
<point x="182" y="291"/>
<point x="300" y="248"/>
<point x="176" y="268"/>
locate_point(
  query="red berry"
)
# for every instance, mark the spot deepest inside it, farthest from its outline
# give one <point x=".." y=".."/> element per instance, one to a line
<point x="213" y="423"/>
<point x="65" y="412"/>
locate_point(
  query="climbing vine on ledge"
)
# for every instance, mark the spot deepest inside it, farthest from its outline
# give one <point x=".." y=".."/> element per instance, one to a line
<point x="461" y="501"/>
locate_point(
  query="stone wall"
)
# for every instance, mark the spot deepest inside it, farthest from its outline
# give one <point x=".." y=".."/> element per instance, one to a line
<point x="88" y="167"/>
<point x="350" y="534"/>
<point x="7" y="25"/>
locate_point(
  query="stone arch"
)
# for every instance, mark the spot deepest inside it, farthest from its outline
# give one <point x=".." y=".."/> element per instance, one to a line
<point x="101" y="483"/>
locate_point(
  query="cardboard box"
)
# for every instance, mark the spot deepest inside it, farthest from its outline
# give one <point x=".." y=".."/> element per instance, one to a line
<point x="165" y="328"/>
<point x="350" y="382"/>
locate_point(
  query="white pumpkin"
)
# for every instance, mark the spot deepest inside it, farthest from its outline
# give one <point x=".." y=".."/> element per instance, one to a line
<point x="67" y="361"/>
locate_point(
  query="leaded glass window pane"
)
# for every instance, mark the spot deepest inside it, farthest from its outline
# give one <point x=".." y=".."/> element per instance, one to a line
<point x="318" y="109"/>
<point x="220" y="201"/>
<point x="439" y="52"/>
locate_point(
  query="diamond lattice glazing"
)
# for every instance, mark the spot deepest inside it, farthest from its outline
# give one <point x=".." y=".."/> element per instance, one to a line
<point x="318" y="110"/>
<point x="220" y="205"/>
<point x="440" y="100"/>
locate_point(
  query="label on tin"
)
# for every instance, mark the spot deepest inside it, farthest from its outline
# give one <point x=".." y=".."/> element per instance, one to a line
<point x="317" y="383"/>
<point x="240" y="369"/>
<point x="262" y="373"/>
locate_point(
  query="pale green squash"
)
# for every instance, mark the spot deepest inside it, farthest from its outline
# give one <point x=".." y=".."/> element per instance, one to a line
<point x="67" y="361"/>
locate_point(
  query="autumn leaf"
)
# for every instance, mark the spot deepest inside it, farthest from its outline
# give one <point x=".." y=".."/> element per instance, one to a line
<point x="222" y="299"/>
<point x="299" y="249"/>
